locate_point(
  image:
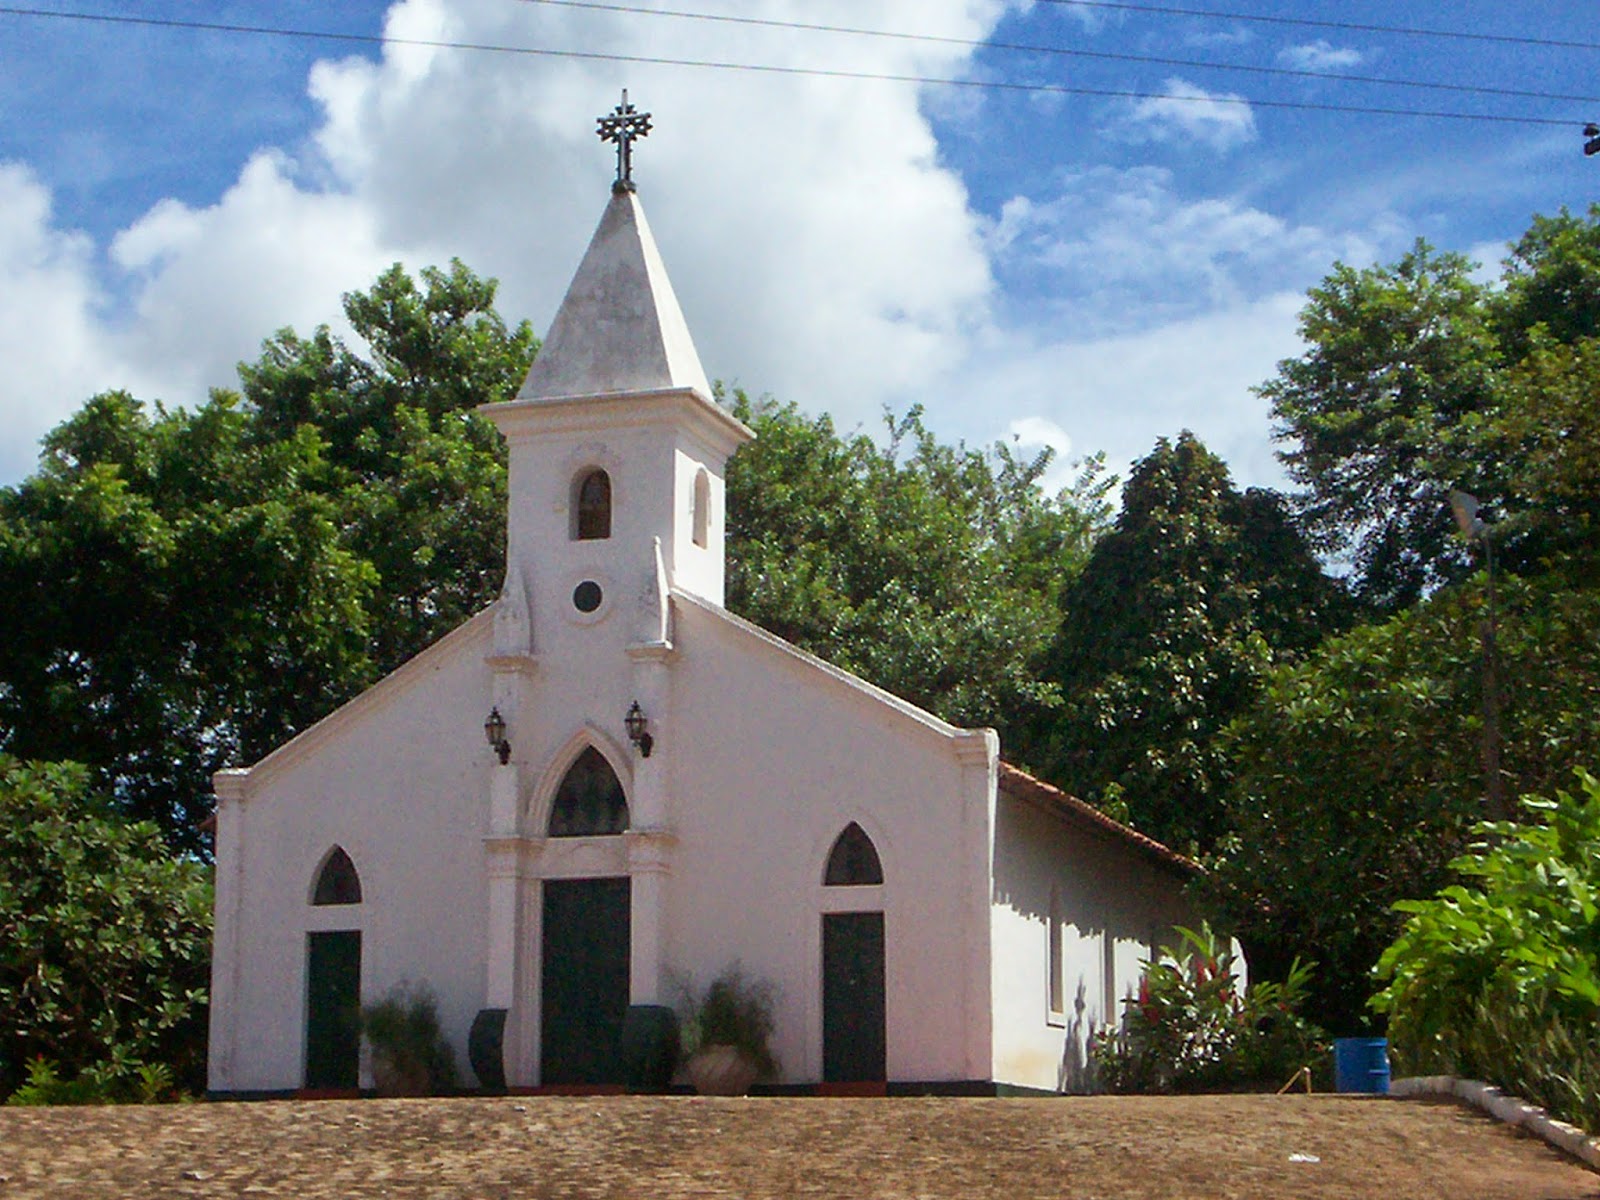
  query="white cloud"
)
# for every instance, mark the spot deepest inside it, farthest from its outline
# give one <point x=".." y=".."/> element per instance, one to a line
<point x="1319" y="56"/>
<point x="266" y="255"/>
<point x="1238" y="36"/>
<point x="50" y="338"/>
<point x="1490" y="257"/>
<point x="1040" y="433"/>
<point x="1093" y="18"/>
<point x="1120" y="250"/>
<point x="820" y="248"/>
<point x="1186" y="112"/>
<point x="1120" y="393"/>
<point x="1150" y="312"/>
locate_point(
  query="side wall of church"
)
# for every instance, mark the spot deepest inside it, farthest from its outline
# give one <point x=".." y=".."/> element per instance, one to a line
<point x="1105" y="903"/>
<point x="399" y="779"/>
<point x="772" y="757"/>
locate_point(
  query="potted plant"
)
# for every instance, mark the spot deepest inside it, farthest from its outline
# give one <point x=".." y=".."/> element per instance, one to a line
<point x="726" y="1033"/>
<point x="410" y="1056"/>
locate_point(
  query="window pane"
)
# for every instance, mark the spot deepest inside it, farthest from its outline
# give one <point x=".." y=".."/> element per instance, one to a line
<point x="338" y="882"/>
<point x="590" y="800"/>
<point x="853" y="861"/>
<point x="594" y="506"/>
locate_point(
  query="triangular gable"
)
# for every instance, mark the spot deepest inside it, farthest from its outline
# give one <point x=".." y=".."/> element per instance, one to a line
<point x="973" y="742"/>
<point x="459" y="640"/>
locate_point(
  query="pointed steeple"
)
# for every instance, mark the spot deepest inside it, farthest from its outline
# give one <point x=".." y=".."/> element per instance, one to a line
<point x="619" y="330"/>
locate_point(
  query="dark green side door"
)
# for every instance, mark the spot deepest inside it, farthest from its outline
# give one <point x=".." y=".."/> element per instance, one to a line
<point x="583" y="980"/>
<point x="852" y="998"/>
<point x="333" y="1009"/>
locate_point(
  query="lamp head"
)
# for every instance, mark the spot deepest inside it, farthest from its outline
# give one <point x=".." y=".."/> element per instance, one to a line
<point x="1465" y="507"/>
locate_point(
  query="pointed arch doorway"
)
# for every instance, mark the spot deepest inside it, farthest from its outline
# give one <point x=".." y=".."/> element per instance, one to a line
<point x="333" y="983"/>
<point x="583" y="997"/>
<point x="585" y="939"/>
<point x="854" y="1009"/>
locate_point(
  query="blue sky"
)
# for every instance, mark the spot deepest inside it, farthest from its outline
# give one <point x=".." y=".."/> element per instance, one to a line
<point x="1081" y="269"/>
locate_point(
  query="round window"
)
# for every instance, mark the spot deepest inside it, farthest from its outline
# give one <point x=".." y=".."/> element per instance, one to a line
<point x="586" y="596"/>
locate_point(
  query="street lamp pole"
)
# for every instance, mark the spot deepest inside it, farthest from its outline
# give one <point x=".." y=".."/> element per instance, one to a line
<point x="1465" y="508"/>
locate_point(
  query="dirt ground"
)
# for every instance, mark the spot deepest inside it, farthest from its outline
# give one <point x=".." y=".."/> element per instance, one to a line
<point x="1210" y="1147"/>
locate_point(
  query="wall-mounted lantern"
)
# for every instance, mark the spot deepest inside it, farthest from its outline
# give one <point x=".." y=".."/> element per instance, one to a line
<point x="639" y="729"/>
<point x="494" y="729"/>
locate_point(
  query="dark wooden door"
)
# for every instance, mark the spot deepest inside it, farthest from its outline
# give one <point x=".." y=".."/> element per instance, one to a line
<point x="853" y="1019"/>
<point x="333" y="1009"/>
<point x="583" y="980"/>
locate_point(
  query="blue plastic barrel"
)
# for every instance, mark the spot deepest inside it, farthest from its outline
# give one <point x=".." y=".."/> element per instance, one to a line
<point x="1361" y="1065"/>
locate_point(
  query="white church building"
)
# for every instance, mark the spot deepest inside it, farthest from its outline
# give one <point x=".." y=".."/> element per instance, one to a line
<point x="667" y="790"/>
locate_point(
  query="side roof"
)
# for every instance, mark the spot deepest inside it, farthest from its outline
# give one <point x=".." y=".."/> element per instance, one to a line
<point x="1024" y="786"/>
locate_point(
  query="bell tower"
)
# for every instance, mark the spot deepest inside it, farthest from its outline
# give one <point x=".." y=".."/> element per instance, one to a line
<point x="617" y="449"/>
<point x="615" y="499"/>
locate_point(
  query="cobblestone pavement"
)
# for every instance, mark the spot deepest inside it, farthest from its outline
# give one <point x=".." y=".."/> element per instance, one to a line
<point x="1210" y="1147"/>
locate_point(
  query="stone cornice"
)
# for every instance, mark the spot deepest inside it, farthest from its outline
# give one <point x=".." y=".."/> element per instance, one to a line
<point x="661" y="652"/>
<point x="685" y="407"/>
<point x="513" y="664"/>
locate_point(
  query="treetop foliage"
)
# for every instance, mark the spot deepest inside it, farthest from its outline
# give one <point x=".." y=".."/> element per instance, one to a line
<point x="1359" y="772"/>
<point x="1419" y="379"/>
<point x="931" y="570"/>
<point x="185" y="589"/>
<point x="1182" y="608"/>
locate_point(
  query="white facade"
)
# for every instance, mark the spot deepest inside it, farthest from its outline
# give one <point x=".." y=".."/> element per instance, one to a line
<point x="761" y="757"/>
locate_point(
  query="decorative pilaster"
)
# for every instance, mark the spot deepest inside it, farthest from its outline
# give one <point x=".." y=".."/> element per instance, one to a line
<point x="649" y="841"/>
<point x="511" y="661"/>
<point x="978" y="752"/>
<point x="649" y="864"/>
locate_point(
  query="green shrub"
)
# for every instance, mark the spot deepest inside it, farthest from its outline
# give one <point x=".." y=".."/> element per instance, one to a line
<point x="105" y="938"/>
<point x="410" y="1055"/>
<point x="1191" y="1029"/>
<point x="1499" y="978"/>
<point x="102" y="1083"/>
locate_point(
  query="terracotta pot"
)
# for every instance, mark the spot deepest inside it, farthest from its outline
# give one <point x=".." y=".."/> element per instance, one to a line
<point x="391" y="1077"/>
<point x="721" y="1071"/>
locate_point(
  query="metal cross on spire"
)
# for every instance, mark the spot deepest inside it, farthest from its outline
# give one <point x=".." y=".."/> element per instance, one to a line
<point x="621" y="126"/>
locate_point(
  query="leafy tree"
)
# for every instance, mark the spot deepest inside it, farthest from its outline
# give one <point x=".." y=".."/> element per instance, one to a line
<point x="187" y="589"/>
<point x="1359" y="777"/>
<point x="418" y="478"/>
<point x="1398" y="356"/>
<point x="172" y="597"/>
<point x="104" y="938"/>
<point x="1417" y="379"/>
<point x="931" y="570"/>
<point x="1167" y="634"/>
<point x="1546" y="436"/>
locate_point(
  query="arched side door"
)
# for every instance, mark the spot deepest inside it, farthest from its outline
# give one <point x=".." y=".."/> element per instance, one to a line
<point x="854" y="1008"/>
<point x="333" y="983"/>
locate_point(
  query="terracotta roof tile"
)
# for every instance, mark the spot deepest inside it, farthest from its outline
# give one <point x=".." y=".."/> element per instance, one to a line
<point x="1020" y="783"/>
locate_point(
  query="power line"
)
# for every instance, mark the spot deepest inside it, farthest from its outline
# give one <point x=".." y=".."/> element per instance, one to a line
<point x="1064" y="51"/>
<point x="1349" y="26"/>
<point x="773" y="69"/>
